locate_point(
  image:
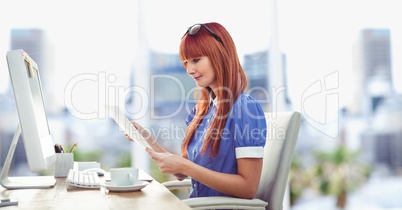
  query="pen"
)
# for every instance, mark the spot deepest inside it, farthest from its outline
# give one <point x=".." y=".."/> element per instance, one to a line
<point x="61" y="148"/>
<point x="57" y="148"/>
<point x="73" y="148"/>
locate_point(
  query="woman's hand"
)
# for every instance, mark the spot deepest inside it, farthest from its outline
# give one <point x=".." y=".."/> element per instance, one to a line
<point x="144" y="133"/>
<point x="168" y="163"/>
<point x="148" y="137"/>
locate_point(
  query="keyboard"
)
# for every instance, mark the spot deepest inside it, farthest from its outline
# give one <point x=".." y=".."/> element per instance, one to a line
<point x="83" y="179"/>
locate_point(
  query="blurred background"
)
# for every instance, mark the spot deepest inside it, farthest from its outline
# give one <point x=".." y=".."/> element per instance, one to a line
<point x="334" y="61"/>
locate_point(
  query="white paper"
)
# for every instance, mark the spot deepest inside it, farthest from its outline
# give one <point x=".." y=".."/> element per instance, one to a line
<point x="121" y="119"/>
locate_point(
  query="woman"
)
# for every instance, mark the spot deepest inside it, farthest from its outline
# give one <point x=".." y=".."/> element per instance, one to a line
<point x="223" y="147"/>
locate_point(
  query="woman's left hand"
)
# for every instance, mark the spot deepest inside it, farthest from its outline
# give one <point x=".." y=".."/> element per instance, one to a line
<point x="167" y="162"/>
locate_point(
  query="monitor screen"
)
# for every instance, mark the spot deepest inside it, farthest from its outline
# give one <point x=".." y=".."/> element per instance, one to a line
<point x="37" y="99"/>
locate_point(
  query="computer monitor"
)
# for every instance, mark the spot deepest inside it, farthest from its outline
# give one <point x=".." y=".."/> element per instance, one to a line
<point x="33" y="124"/>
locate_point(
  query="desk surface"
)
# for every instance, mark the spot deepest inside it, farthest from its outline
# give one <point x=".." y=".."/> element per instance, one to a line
<point x="152" y="197"/>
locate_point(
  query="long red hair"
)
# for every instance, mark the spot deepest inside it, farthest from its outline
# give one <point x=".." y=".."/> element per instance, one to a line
<point x="230" y="78"/>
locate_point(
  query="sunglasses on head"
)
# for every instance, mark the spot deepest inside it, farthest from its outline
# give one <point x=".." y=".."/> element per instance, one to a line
<point x="193" y="30"/>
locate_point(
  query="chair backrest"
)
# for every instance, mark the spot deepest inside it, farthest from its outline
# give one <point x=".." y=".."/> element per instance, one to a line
<point x="282" y="132"/>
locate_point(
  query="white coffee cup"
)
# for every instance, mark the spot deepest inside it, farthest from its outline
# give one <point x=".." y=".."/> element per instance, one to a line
<point x="124" y="176"/>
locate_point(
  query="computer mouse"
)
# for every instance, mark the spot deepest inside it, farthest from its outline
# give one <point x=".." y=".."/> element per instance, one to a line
<point x="99" y="171"/>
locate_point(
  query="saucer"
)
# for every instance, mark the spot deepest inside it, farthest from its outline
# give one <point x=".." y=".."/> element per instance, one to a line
<point x="137" y="186"/>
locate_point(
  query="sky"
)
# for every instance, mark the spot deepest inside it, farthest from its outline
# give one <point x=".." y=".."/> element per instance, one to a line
<point x="99" y="36"/>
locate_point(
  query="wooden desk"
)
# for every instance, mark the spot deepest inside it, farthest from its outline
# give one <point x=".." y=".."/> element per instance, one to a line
<point x="153" y="197"/>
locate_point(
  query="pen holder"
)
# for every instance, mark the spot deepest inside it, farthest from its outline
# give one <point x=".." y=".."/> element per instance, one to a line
<point x="64" y="162"/>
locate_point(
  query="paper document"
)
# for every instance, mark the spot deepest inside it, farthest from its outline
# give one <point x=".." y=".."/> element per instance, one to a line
<point x="125" y="124"/>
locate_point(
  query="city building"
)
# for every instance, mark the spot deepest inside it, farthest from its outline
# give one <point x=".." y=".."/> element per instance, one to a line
<point x="375" y="101"/>
<point x="372" y="71"/>
<point x="256" y="68"/>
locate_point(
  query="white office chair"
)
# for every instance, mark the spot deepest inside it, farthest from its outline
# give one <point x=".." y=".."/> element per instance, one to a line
<point x="283" y="129"/>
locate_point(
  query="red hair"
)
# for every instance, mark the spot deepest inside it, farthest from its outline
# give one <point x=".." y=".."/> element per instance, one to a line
<point x="230" y="78"/>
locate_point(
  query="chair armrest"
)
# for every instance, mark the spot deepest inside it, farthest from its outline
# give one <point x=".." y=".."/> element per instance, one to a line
<point x="215" y="202"/>
<point x="221" y="202"/>
<point x="172" y="185"/>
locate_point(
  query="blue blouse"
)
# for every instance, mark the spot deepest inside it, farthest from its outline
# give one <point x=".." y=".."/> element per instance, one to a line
<point x="243" y="137"/>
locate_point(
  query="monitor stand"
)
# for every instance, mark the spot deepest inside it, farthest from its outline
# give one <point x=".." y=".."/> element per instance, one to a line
<point x="27" y="182"/>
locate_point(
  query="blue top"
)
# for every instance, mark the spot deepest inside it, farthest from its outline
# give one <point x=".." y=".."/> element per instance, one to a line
<point x="243" y="137"/>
